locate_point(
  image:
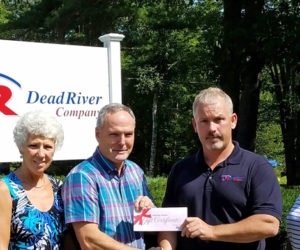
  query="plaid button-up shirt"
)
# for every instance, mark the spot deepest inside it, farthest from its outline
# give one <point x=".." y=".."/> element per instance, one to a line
<point x="93" y="192"/>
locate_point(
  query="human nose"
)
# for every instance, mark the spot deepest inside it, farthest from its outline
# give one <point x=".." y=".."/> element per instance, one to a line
<point x="40" y="152"/>
<point x="122" y="139"/>
<point x="212" y="126"/>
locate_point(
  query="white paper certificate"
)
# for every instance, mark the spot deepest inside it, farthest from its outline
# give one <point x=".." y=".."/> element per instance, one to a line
<point x="160" y="219"/>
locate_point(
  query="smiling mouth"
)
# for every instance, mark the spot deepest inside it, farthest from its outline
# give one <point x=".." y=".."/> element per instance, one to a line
<point x="40" y="163"/>
<point x="120" y="150"/>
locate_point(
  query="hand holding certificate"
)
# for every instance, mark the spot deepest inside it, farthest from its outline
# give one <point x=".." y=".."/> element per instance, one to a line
<point x="160" y="219"/>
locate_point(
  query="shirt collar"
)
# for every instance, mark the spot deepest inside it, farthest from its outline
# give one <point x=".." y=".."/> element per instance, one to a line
<point x="106" y="164"/>
<point x="233" y="159"/>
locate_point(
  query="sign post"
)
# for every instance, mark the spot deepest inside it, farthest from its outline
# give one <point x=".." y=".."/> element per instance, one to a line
<point x="112" y="43"/>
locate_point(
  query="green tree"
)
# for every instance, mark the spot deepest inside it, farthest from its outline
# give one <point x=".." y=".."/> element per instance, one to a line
<point x="3" y="14"/>
<point x="242" y="62"/>
<point x="174" y="49"/>
<point x="4" y="18"/>
<point x="283" y="64"/>
<point x="66" y="21"/>
<point x="259" y="34"/>
<point x="269" y="141"/>
<point x="171" y="46"/>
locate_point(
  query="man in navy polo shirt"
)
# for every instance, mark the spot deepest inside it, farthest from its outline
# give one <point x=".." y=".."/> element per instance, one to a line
<point x="233" y="196"/>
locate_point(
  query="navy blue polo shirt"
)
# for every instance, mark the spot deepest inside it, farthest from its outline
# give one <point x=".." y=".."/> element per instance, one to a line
<point x="244" y="184"/>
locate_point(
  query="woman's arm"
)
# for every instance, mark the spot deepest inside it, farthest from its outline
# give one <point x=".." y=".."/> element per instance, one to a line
<point x="5" y="215"/>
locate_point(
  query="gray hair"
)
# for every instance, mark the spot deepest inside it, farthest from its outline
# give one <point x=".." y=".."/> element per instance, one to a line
<point x="112" y="108"/>
<point x="208" y="96"/>
<point x="38" y="123"/>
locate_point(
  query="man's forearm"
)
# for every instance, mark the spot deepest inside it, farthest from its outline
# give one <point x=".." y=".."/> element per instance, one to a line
<point x="104" y="242"/>
<point x="253" y="228"/>
<point x="90" y="237"/>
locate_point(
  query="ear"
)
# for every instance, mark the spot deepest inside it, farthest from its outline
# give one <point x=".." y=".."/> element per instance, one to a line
<point x="97" y="134"/>
<point x="21" y="149"/>
<point x="233" y="120"/>
<point x="194" y="125"/>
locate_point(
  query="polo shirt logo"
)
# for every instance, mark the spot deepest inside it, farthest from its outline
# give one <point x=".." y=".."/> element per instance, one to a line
<point x="227" y="177"/>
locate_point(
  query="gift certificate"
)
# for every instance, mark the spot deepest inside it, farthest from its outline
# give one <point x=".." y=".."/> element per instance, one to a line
<point x="160" y="219"/>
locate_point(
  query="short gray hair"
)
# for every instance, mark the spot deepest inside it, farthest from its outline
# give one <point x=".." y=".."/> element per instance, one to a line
<point x="207" y="96"/>
<point x="38" y="123"/>
<point x="112" y="108"/>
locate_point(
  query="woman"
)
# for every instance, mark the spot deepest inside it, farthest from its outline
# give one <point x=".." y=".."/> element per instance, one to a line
<point x="31" y="209"/>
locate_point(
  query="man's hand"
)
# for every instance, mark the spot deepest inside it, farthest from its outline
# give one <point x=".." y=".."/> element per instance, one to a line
<point x="252" y="228"/>
<point x="89" y="236"/>
<point x="143" y="202"/>
<point x="194" y="227"/>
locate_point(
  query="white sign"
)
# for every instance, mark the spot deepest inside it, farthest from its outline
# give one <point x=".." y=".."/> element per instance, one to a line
<point x="69" y="82"/>
<point x="160" y="219"/>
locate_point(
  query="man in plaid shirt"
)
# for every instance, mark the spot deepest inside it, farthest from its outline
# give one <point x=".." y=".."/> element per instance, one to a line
<point x="101" y="193"/>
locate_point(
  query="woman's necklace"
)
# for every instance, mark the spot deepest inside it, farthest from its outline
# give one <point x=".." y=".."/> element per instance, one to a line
<point x="41" y="184"/>
<point x="28" y="184"/>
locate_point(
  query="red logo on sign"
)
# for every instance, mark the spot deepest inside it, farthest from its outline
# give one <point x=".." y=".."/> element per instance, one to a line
<point x="5" y="95"/>
<point x="138" y="218"/>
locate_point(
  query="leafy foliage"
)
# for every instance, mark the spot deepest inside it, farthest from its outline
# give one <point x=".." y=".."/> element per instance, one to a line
<point x="157" y="188"/>
<point x="160" y="47"/>
<point x="289" y="196"/>
<point x="282" y="52"/>
<point x="172" y="50"/>
<point x="269" y="141"/>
